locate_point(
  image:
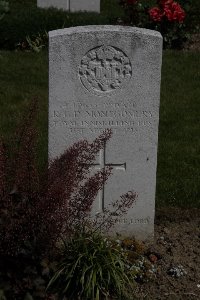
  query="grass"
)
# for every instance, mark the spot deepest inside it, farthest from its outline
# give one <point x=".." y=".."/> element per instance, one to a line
<point x="25" y="75"/>
<point x="178" y="180"/>
<point x="22" y="77"/>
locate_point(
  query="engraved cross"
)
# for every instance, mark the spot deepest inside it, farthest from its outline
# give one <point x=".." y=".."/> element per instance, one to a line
<point x="102" y="164"/>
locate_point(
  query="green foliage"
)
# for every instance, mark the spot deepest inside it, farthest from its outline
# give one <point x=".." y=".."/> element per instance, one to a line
<point x="4" y="8"/>
<point x="93" y="267"/>
<point x="35" y="43"/>
<point x="192" y="9"/>
<point x="25" y="19"/>
<point x="174" y="34"/>
<point x="135" y="13"/>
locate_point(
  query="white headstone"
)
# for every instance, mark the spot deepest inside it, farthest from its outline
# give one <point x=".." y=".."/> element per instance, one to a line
<point x="71" y="5"/>
<point x="60" y="4"/>
<point x="109" y="77"/>
<point x="85" y="5"/>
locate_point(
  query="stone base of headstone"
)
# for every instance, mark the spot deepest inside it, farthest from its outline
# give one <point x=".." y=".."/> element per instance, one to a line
<point x="71" y="5"/>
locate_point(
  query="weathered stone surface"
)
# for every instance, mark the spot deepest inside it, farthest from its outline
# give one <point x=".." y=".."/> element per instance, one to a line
<point x="71" y="5"/>
<point x="109" y="77"/>
<point x="85" y="5"/>
<point x="60" y="4"/>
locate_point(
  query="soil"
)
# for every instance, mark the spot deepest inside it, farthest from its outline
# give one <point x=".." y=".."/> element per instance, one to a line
<point x="177" y="248"/>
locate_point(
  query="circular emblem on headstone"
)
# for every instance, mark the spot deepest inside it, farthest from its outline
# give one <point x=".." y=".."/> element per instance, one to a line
<point x="105" y="69"/>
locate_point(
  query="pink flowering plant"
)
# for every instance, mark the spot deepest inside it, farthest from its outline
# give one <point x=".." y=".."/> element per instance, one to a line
<point x="41" y="209"/>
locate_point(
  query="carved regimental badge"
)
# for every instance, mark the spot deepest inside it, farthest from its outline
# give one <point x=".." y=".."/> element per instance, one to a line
<point x="105" y="69"/>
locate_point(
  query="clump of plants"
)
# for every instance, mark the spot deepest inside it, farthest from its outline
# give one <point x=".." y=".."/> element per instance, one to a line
<point x="39" y="210"/>
<point x="93" y="267"/>
<point x="34" y="43"/>
<point x="165" y="16"/>
<point x="168" y="18"/>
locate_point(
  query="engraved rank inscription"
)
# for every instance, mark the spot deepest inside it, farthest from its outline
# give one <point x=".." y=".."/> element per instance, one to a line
<point x="105" y="69"/>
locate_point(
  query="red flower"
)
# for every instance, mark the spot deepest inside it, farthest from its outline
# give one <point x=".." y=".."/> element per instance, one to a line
<point x="179" y="13"/>
<point x="171" y="10"/>
<point x="174" y="12"/>
<point x="168" y="13"/>
<point x="156" y="14"/>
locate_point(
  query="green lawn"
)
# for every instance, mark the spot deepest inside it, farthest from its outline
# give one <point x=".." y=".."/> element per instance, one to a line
<point x="25" y="75"/>
<point x="178" y="179"/>
<point x="22" y="77"/>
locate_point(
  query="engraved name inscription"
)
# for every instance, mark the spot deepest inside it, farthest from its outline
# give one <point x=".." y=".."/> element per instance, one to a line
<point x="105" y="69"/>
<point x="80" y="118"/>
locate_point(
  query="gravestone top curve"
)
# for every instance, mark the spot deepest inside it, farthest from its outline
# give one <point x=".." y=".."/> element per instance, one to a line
<point x="101" y="28"/>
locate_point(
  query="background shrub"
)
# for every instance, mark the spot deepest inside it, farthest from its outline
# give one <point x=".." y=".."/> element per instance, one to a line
<point x="151" y="14"/>
<point x="25" y="19"/>
<point x="4" y="8"/>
